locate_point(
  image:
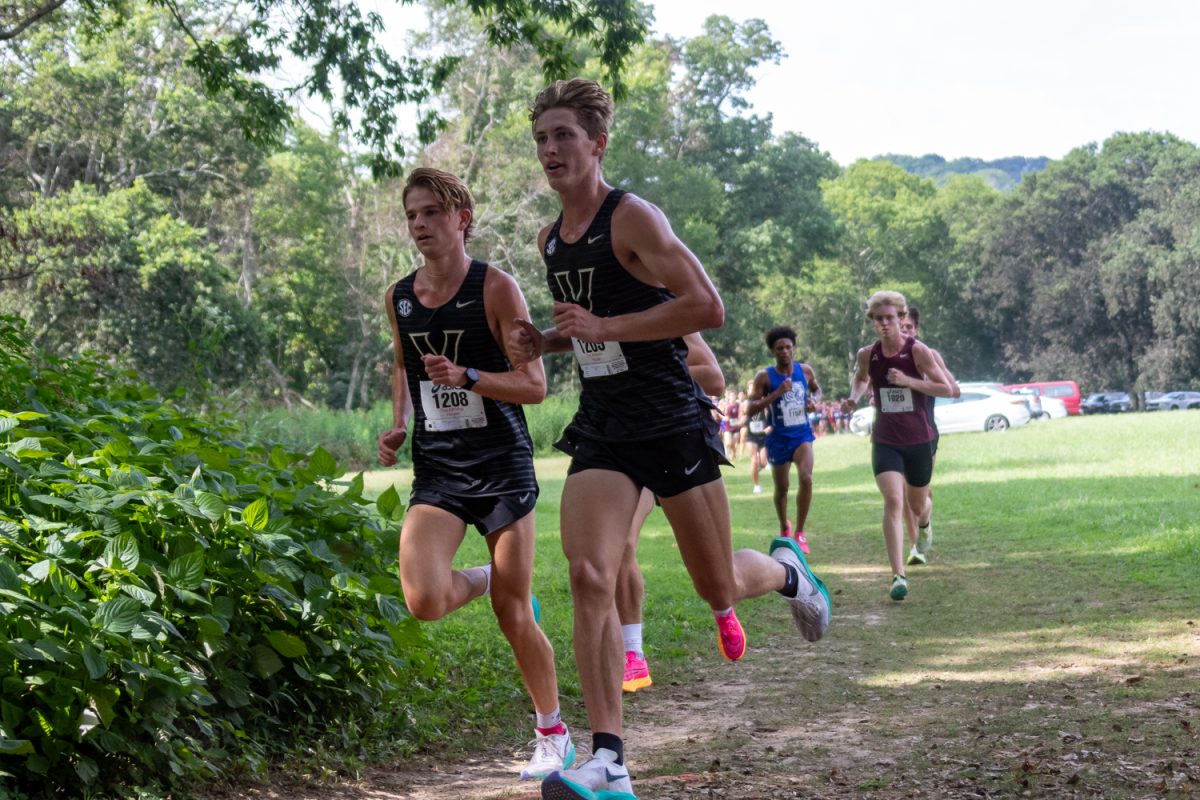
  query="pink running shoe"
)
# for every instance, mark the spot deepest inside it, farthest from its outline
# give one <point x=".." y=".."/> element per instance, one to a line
<point x="637" y="672"/>
<point x="731" y="639"/>
<point x="801" y="540"/>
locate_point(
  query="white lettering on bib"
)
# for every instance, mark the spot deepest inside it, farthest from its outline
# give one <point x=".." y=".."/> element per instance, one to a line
<point x="894" y="399"/>
<point x="451" y="408"/>
<point x="597" y="359"/>
<point x="756" y="426"/>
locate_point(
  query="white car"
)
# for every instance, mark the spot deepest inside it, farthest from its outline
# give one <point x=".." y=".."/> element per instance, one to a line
<point x="980" y="407"/>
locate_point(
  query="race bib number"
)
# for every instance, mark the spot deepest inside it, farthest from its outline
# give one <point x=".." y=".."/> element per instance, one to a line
<point x="597" y="359"/>
<point x="451" y="408"/>
<point x="894" y="400"/>
<point x="756" y="426"/>
<point x="792" y="405"/>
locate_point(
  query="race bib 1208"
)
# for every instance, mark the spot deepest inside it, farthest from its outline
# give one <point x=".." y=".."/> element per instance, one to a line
<point x="597" y="359"/>
<point x="451" y="408"/>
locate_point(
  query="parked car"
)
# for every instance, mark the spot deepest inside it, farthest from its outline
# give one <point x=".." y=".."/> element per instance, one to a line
<point x="1043" y="406"/>
<point x="1174" y="400"/>
<point x="980" y="407"/>
<point x="1106" y="403"/>
<point x="1066" y="391"/>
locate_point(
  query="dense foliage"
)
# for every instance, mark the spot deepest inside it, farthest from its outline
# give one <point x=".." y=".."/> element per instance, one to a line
<point x="176" y="603"/>
<point x="136" y="219"/>
<point x="346" y="56"/>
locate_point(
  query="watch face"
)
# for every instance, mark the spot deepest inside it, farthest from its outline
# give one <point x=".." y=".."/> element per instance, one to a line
<point x="472" y="374"/>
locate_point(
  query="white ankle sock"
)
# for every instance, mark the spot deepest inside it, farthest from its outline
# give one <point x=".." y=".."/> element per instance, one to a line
<point x="632" y="636"/>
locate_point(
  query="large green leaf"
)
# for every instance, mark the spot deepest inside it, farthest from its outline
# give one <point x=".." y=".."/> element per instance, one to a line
<point x="16" y="747"/>
<point x="264" y="661"/>
<point x="118" y="615"/>
<point x="257" y="514"/>
<point x="187" y="571"/>
<point x="29" y="447"/>
<point x="122" y="552"/>
<point x="388" y="502"/>
<point x="94" y="660"/>
<point x="211" y="506"/>
<point x="323" y="463"/>
<point x="287" y="644"/>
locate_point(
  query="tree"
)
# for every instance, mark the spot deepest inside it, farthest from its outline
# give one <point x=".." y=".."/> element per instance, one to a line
<point x="1085" y="269"/>
<point x="347" y="58"/>
<point x="118" y="274"/>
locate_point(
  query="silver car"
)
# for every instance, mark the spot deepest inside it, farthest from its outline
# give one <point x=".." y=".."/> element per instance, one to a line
<point x="1173" y="401"/>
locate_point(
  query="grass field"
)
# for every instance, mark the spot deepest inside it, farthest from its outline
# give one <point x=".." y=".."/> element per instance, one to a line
<point x="1050" y="648"/>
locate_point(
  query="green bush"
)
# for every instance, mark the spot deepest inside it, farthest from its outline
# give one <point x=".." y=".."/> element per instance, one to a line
<point x="176" y="603"/>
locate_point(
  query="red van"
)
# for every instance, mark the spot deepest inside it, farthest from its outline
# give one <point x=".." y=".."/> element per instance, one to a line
<point x="1066" y="391"/>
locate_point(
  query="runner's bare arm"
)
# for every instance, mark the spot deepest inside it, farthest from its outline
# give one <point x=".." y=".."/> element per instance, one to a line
<point x="392" y="439"/>
<point x="702" y="363"/>
<point x="647" y="247"/>
<point x="862" y="377"/>
<point x="934" y="383"/>
<point x="955" y="390"/>
<point x="525" y="383"/>
<point x="762" y="396"/>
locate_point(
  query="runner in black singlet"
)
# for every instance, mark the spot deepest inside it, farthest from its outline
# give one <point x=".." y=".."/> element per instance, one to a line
<point x="471" y="451"/>
<point x="626" y="291"/>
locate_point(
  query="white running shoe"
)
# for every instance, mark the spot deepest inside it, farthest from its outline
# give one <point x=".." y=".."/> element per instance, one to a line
<point x="811" y="608"/>
<point x="925" y="538"/>
<point x="598" y="778"/>
<point x="757" y="489"/>
<point x="551" y="752"/>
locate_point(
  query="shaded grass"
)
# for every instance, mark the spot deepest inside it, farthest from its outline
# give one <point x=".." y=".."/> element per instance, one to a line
<point x="1052" y="646"/>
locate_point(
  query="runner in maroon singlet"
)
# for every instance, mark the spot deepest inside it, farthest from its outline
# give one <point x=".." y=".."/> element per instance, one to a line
<point x="902" y="374"/>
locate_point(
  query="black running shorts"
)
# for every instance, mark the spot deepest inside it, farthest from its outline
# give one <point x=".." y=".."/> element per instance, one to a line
<point x="487" y="514"/>
<point x="914" y="460"/>
<point x="666" y="465"/>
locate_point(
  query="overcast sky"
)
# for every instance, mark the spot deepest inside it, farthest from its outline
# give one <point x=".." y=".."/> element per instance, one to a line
<point x="958" y="78"/>
<point x="966" y="77"/>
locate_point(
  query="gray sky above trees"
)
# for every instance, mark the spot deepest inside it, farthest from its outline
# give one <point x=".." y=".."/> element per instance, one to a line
<point x="979" y="78"/>
<point x="985" y="79"/>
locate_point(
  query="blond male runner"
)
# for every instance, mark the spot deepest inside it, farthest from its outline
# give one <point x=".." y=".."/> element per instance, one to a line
<point x="472" y="455"/>
<point x="902" y="373"/>
<point x="626" y="290"/>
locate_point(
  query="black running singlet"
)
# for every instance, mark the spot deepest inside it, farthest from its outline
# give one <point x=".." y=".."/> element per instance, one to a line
<point x="462" y="442"/>
<point x="630" y="390"/>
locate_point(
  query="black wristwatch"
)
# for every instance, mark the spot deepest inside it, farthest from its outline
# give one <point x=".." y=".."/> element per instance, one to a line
<point x="472" y="378"/>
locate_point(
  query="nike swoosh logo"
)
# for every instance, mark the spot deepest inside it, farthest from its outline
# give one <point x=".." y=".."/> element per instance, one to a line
<point x="608" y="776"/>
<point x="523" y="498"/>
<point x="594" y="239"/>
<point x="461" y="304"/>
<point x="692" y="468"/>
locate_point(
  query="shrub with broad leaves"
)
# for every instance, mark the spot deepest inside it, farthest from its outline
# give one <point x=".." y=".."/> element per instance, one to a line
<point x="176" y="603"/>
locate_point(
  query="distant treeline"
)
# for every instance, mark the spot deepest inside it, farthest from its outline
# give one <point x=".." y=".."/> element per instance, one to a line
<point x="1001" y="173"/>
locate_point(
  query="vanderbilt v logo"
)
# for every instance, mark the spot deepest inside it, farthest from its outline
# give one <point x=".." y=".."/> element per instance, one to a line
<point x="450" y="342"/>
<point x="581" y="294"/>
